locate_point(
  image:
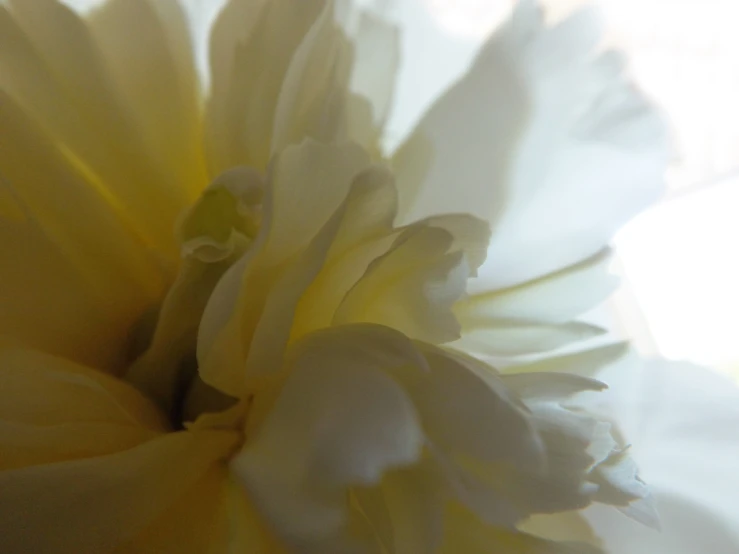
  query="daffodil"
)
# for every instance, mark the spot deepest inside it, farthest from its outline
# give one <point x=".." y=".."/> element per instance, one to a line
<point x="234" y="323"/>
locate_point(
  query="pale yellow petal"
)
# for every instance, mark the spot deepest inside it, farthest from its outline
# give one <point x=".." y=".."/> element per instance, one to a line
<point x="463" y="532"/>
<point x="586" y="362"/>
<point x="52" y="410"/>
<point x="240" y="527"/>
<point x="252" y="45"/>
<point x="93" y="505"/>
<point x="155" y="77"/>
<point x="376" y="61"/>
<point x="78" y="273"/>
<point x="413" y="501"/>
<point x="301" y="216"/>
<point x="411" y="288"/>
<point x="513" y="338"/>
<point x="213" y="516"/>
<point x="312" y="101"/>
<point x="366" y="232"/>
<point x="52" y="65"/>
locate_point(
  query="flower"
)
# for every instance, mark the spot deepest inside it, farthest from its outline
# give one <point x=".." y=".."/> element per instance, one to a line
<point x="285" y="371"/>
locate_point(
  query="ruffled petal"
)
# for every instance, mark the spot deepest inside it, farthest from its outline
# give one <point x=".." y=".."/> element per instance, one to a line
<point x="339" y="420"/>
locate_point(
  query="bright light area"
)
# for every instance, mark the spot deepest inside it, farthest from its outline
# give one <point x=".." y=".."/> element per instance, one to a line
<point x="682" y="265"/>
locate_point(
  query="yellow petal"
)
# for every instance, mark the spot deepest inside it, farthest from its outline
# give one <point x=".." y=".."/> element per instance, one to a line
<point x="62" y="295"/>
<point x="93" y="505"/>
<point x="301" y="216"/>
<point x="53" y="67"/>
<point x="155" y="77"/>
<point x="366" y="232"/>
<point x="53" y="410"/>
<point x="411" y="288"/>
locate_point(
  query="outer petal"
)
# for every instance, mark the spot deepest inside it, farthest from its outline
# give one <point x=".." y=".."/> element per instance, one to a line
<point x="509" y="142"/>
<point x="85" y="464"/>
<point x="155" y="75"/>
<point x="54" y="67"/>
<point x="91" y="505"/>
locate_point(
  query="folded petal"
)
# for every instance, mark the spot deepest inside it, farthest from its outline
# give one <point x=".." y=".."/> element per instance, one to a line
<point x="339" y="420"/>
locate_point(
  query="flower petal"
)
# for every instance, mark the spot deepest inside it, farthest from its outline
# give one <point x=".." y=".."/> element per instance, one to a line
<point x="555" y="298"/>
<point x="61" y="295"/>
<point x="411" y="288"/>
<point x="313" y="94"/>
<point x="465" y="533"/>
<point x="339" y="420"/>
<point x="502" y="338"/>
<point x="251" y="39"/>
<point x="92" y="505"/>
<point x="53" y="67"/>
<point x="511" y="137"/>
<point x="376" y="61"/>
<point x="155" y="77"/>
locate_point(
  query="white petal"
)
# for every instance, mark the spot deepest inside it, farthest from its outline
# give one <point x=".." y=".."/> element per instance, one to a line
<point x="313" y="94"/>
<point x="554" y="298"/>
<point x="544" y="139"/>
<point x="466" y="408"/>
<point x="513" y="338"/>
<point x="338" y="421"/>
<point x="376" y="60"/>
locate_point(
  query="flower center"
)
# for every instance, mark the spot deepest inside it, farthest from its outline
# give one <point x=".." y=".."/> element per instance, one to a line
<point x="213" y="233"/>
